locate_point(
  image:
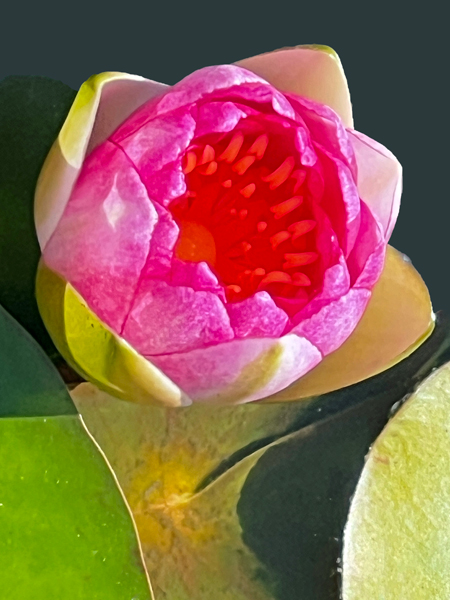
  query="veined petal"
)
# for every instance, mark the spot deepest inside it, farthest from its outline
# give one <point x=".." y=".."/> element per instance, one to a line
<point x="241" y="370"/>
<point x="379" y="179"/>
<point x="257" y="316"/>
<point x="220" y="117"/>
<point x="326" y="128"/>
<point x="312" y="71"/>
<point x="196" y="275"/>
<point x="156" y="149"/>
<point x="103" y="102"/>
<point x="341" y="201"/>
<point x="366" y="260"/>
<point x="92" y="247"/>
<point x="166" y="319"/>
<point x="335" y="322"/>
<point x="398" y="318"/>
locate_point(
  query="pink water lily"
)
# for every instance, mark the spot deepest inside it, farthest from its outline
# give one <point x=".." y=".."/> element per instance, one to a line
<point x="229" y="231"/>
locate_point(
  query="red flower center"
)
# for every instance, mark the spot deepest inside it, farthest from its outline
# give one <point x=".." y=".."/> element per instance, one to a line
<point x="247" y="212"/>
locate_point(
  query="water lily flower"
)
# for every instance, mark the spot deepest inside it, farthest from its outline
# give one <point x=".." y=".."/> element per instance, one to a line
<point x="220" y="239"/>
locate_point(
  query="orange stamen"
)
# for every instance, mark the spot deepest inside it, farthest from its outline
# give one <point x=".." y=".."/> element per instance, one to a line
<point x="208" y="169"/>
<point x="191" y="162"/>
<point x="301" y="227"/>
<point x="208" y="154"/>
<point x="243" y="213"/>
<point x="259" y="146"/>
<point x="301" y="279"/>
<point x="262" y="226"/>
<point x="279" y="176"/>
<point x="299" y="259"/>
<point x="284" y="208"/>
<point x="234" y="288"/>
<point x="275" y="277"/>
<point x="243" y="164"/>
<point x="227" y="183"/>
<point x="248" y="190"/>
<point x="299" y="177"/>
<point x="279" y="238"/>
<point x="232" y="150"/>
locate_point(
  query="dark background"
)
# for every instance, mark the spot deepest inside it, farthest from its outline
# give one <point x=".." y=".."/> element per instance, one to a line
<point x="395" y="56"/>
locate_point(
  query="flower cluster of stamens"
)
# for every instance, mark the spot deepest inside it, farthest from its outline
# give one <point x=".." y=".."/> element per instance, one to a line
<point x="246" y="212"/>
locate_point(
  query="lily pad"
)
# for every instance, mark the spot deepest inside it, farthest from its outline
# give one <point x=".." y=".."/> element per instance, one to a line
<point x="29" y="384"/>
<point x="66" y="532"/>
<point x="248" y="502"/>
<point x="397" y="540"/>
<point x="32" y="111"/>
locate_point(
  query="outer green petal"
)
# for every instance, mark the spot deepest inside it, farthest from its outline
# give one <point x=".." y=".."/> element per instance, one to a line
<point x="312" y="71"/>
<point x="95" y="351"/>
<point x="102" y="103"/>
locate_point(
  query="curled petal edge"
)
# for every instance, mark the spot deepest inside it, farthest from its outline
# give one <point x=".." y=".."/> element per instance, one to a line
<point x="379" y="179"/>
<point x="103" y="102"/>
<point x="398" y="319"/>
<point x="97" y="353"/>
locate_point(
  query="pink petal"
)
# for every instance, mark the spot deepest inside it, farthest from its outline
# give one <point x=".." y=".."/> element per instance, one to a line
<point x="219" y="117"/>
<point x="379" y="179"/>
<point x="212" y="84"/>
<point x="166" y="184"/>
<point x="332" y="325"/>
<point x="326" y="128"/>
<point x="93" y="247"/>
<point x="162" y="243"/>
<point x="198" y="276"/>
<point x="156" y="149"/>
<point x="209" y="374"/>
<point x="212" y="81"/>
<point x="303" y="144"/>
<point x="341" y="199"/>
<point x="366" y="260"/>
<point x="190" y="90"/>
<point x="257" y="316"/>
<point x="166" y="319"/>
<point x="336" y="283"/>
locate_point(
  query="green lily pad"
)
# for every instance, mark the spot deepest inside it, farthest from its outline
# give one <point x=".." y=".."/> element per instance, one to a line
<point x="248" y="502"/>
<point x="32" y="111"/>
<point x="29" y="384"/>
<point x="66" y="532"/>
<point x="397" y="540"/>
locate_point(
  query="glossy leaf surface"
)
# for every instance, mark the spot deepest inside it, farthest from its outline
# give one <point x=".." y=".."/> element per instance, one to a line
<point x="400" y="516"/>
<point x="65" y="531"/>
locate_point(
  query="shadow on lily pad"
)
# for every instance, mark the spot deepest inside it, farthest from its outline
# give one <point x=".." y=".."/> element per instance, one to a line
<point x="295" y="501"/>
